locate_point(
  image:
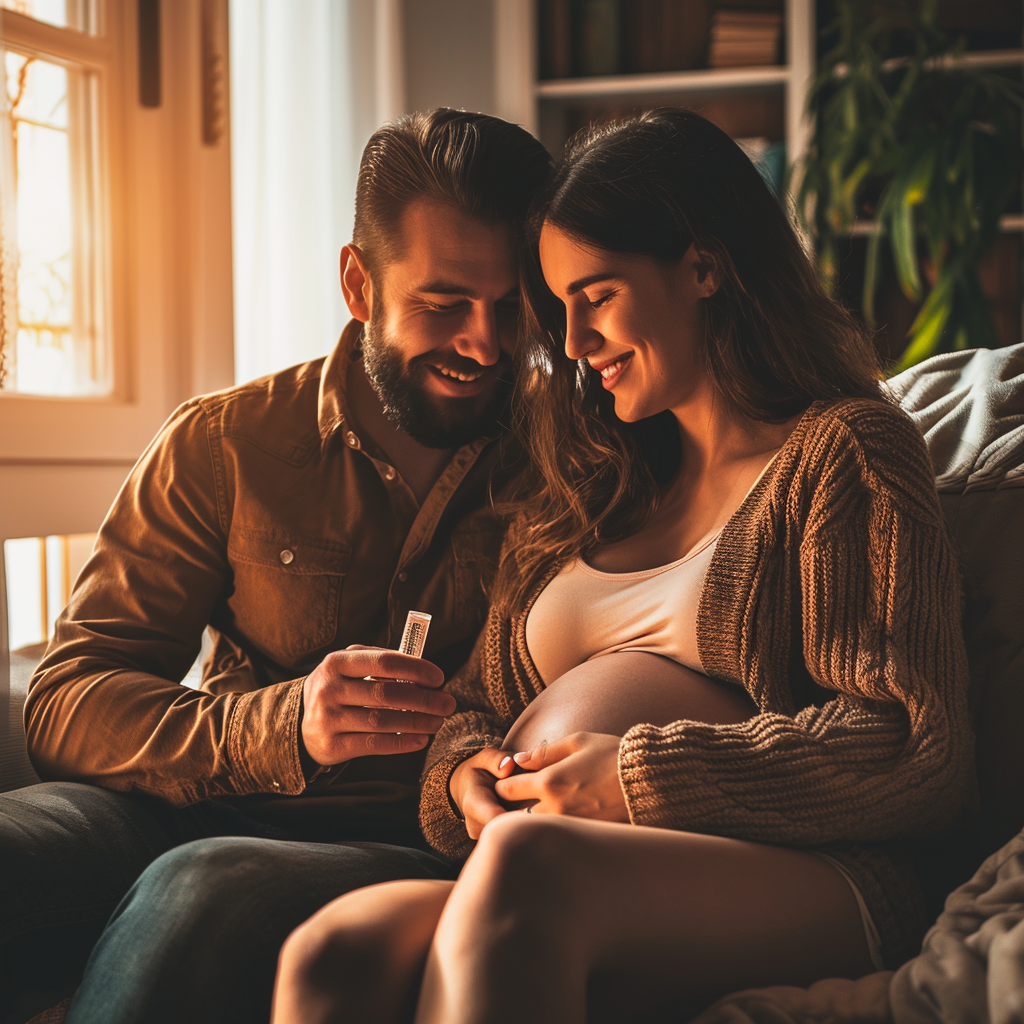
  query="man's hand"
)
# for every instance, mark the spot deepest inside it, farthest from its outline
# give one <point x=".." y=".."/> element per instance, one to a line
<point x="577" y="775"/>
<point x="395" y="711"/>
<point x="472" y="787"/>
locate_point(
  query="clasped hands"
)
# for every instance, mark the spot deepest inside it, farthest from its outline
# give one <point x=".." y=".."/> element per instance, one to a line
<point x="577" y="776"/>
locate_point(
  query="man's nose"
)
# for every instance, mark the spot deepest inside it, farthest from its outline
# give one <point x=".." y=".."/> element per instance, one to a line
<point x="479" y="338"/>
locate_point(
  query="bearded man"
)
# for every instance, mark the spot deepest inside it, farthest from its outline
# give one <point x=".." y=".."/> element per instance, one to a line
<point x="180" y="835"/>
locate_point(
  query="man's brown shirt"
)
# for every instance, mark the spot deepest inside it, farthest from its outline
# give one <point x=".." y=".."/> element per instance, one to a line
<point x="260" y="512"/>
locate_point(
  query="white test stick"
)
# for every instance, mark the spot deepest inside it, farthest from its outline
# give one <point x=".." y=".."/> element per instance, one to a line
<point x="414" y="636"/>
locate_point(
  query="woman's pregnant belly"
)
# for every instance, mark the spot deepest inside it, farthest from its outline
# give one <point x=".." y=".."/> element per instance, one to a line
<point x="614" y="692"/>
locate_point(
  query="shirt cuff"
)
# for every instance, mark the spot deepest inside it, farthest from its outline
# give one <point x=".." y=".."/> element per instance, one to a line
<point x="263" y="740"/>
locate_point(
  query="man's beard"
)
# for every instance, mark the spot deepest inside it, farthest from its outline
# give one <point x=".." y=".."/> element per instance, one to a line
<point x="433" y="421"/>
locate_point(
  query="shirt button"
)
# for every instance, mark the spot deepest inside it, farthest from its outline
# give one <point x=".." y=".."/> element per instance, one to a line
<point x="389" y="473"/>
<point x="287" y="557"/>
<point x="403" y="577"/>
<point x="276" y="784"/>
<point x="351" y="439"/>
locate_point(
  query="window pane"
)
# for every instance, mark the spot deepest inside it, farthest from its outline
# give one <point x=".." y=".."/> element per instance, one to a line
<point x="57" y="349"/>
<point x="76" y="14"/>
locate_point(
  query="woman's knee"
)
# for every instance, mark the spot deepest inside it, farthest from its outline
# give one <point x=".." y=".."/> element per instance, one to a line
<point x="321" y="970"/>
<point x="363" y="952"/>
<point x="321" y="956"/>
<point x="525" y="866"/>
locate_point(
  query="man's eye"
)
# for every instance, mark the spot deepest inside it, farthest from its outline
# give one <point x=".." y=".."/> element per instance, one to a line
<point x="440" y="308"/>
<point x="510" y="308"/>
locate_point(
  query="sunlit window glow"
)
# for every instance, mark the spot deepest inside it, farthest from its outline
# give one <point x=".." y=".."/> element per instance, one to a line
<point x="55" y="352"/>
<point x="62" y="13"/>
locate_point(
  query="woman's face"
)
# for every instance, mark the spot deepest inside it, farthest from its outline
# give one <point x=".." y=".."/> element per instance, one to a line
<point x="638" y="322"/>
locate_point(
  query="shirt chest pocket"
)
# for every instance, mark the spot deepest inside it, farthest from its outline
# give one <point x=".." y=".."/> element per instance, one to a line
<point x="287" y="592"/>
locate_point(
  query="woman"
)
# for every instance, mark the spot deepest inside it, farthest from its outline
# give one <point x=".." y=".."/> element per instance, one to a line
<point x="732" y="539"/>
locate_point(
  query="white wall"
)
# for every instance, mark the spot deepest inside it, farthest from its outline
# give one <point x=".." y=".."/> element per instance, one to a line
<point x="449" y="46"/>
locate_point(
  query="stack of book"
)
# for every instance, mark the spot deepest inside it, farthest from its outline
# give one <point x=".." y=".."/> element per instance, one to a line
<point x="744" y="38"/>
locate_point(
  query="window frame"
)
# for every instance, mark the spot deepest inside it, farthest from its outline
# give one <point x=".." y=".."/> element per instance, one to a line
<point x="169" y="297"/>
<point x="97" y="164"/>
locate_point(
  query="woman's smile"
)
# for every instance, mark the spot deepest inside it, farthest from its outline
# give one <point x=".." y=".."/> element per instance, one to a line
<point x="611" y="372"/>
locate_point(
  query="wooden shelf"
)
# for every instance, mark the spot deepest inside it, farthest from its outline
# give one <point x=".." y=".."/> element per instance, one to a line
<point x="1008" y="223"/>
<point x="982" y="59"/>
<point x="703" y="80"/>
<point x="972" y="59"/>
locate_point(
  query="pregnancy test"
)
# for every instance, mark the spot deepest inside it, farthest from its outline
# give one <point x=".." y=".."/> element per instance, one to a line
<point x="414" y="636"/>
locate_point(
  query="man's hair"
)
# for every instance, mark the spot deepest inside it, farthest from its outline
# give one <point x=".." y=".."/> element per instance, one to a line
<point x="481" y="166"/>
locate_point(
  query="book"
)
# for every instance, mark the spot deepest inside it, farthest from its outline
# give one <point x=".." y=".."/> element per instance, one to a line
<point x="665" y="35"/>
<point x="741" y="38"/>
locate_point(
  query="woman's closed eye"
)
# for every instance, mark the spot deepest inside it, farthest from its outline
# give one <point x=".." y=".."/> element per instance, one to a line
<point x="600" y="300"/>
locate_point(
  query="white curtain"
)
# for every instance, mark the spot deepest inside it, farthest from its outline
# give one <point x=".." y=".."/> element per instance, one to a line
<point x="310" y="81"/>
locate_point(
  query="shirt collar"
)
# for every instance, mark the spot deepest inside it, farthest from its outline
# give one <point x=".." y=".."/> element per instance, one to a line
<point x="332" y="406"/>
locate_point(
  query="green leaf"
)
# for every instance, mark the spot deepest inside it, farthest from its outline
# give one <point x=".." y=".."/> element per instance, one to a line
<point x="925" y="340"/>
<point x="920" y="179"/>
<point x="871" y="277"/>
<point x="903" y="252"/>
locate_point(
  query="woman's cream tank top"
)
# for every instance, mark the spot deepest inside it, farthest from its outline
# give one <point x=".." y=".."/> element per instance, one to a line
<point x="584" y="613"/>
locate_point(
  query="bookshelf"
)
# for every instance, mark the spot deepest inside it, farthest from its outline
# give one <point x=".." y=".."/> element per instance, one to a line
<point x="764" y="101"/>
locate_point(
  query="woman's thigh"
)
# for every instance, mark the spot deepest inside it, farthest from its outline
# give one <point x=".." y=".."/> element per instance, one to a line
<point x="667" y="916"/>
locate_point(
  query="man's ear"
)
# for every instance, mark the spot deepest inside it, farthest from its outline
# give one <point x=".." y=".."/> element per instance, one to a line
<point x="356" y="284"/>
<point x="708" y="274"/>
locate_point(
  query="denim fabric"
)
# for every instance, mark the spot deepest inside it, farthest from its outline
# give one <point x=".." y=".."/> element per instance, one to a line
<point x="190" y="905"/>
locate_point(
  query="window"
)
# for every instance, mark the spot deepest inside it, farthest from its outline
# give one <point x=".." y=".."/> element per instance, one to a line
<point x="116" y="251"/>
<point x="55" y="334"/>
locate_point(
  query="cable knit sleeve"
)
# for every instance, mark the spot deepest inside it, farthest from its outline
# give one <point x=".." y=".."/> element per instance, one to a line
<point x="474" y="726"/>
<point x="862" y="580"/>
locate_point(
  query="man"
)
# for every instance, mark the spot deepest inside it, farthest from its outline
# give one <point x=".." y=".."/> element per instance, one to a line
<point x="296" y="516"/>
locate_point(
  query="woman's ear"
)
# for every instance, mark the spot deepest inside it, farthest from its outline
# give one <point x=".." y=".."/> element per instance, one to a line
<point x="708" y="275"/>
<point x="356" y="283"/>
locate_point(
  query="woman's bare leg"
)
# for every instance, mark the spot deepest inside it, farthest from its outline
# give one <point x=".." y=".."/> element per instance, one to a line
<point x="548" y="909"/>
<point x="360" y="958"/>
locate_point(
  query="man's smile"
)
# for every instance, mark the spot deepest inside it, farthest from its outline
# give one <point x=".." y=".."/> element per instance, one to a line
<point x="464" y="383"/>
<point x="464" y="377"/>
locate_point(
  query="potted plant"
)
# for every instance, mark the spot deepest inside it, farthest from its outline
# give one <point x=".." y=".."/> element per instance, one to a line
<point x="920" y="150"/>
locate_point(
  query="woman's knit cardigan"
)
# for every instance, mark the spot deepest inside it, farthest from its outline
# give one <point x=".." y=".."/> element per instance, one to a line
<point x="833" y="599"/>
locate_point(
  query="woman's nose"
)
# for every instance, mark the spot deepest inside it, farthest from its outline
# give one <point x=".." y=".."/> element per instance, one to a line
<point x="580" y="338"/>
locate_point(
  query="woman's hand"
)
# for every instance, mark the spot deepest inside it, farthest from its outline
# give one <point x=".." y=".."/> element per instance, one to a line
<point x="577" y="775"/>
<point x="472" y="787"/>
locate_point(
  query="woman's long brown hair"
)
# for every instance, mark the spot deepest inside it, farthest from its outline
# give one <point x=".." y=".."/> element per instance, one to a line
<point x="774" y="341"/>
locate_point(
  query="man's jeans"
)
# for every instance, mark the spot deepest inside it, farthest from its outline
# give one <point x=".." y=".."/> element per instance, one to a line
<point x="189" y="905"/>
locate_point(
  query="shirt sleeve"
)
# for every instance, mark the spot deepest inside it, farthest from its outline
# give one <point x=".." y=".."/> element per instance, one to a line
<point x="474" y="726"/>
<point x="106" y="705"/>
<point x="891" y="755"/>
